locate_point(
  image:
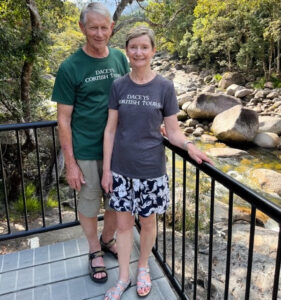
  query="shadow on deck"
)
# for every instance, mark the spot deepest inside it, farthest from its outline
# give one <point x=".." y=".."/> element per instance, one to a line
<point x="60" y="272"/>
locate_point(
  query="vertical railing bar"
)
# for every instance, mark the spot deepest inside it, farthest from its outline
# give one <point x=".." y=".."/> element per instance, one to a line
<point x="157" y="232"/>
<point x="173" y="210"/>
<point x="277" y="267"/>
<point x="75" y="205"/>
<point x="211" y="239"/>
<point x="56" y="170"/>
<point x="196" y="228"/>
<point x="250" y="253"/>
<point x="183" y="224"/>
<point x="164" y="238"/>
<point x="22" y="180"/>
<point x="229" y="241"/>
<point x="39" y="176"/>
<point x="5" y="190"/>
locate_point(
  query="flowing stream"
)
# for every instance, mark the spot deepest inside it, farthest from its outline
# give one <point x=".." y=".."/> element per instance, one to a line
<point x="241" y="167"/>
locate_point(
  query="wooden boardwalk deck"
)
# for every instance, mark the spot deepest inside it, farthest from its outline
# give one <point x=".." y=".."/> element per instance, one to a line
<point x="60" y="272"/>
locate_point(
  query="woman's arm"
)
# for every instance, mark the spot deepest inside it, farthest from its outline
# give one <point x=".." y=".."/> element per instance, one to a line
<point x="177" y="138"/>
<point x="108" y="142"/>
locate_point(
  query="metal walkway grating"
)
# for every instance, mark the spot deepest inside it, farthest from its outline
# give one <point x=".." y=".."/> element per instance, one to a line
<point x="60" y="272"/>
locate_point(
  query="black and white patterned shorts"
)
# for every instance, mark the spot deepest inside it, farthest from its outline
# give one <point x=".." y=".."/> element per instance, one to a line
<point x="140" y="196"/>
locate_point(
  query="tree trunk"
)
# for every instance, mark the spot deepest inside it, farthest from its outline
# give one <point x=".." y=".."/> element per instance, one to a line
<point x="278" y="58"/>
<point x="270" y="60"/>
<point x="30" y="56"/>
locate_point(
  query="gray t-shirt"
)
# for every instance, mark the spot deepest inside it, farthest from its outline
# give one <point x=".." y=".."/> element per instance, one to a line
<point x="138" y="150"/>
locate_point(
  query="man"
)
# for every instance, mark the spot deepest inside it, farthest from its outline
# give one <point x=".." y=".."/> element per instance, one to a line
<point x="81" y="90"/>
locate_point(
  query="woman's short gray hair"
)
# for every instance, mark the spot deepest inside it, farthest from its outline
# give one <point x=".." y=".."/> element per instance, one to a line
<point x="139" y="31"/>
<point x="95" y="7"/>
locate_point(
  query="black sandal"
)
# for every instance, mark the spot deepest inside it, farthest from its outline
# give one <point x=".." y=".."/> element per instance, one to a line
<point x="96" y="270"/>
<point x="106" y="246"/>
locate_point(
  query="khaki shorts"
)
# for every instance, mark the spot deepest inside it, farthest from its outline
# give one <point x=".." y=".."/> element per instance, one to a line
<point x="91" y="193"/>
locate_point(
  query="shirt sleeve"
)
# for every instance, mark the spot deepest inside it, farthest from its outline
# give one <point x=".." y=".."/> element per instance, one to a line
<point x="170" y="106"/>
<point x="64" y="88"/>
<point x="113" y="97"/>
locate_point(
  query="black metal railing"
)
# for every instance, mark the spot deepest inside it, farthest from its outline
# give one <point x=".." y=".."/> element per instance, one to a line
<point x="165" y="248"/>
<point x="187" y="289"/>
<point x="20" y="150"/>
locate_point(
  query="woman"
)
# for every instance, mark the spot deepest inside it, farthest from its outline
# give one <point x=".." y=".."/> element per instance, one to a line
<point x="134" y="168"/>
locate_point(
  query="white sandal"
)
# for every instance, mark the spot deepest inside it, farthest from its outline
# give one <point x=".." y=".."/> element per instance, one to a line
<point x="117" y="290"/>
<point x="142" y="282"/>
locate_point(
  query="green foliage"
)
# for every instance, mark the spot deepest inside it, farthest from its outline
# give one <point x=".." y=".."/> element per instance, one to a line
<point x="217" y="77"/>
<point x="230" y="34"/>
<point x="32" y="204"/>
<point x="58" y="22"/>
<point x="259" y="84"/>
<point x="52" y="201"/>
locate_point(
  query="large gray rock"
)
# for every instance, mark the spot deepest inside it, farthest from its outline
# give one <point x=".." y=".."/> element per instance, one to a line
<point x="233" y="88"/>
<point x="270" y="124"/>
<point x="230" y="78"/>
<point x="236" y="124"/>
<point x="208" y="105"/>
<point x="267" y="140"/>
<point x="225" y="152"/>
<point x="267" y="180"/>
<point x="243" y="93"/>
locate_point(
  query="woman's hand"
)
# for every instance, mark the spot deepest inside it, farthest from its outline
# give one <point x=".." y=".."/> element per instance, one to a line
<point x="107" y="181"/>
<point x="197" y="155"/>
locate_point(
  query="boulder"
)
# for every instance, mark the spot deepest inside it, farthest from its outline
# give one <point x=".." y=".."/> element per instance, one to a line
<point x="236" y="124"/>
<point x="208" y="105"/>
<point x="270" y="124"/>
<point x="272" y="95"/>
<point x="225" y="152"/>
<point x="267" y="140"/>
<point x="181" y="115"/>
<point x="210" y="139"/>
<point x="230" y="78"/>
<point x="260" y="94"/>
<point x="232" y="89"/>
<point x="185" y="106"/>
<point x="269" y="85"/>
<point x="209" y="89"/>
<point x="191" y="123"/>
<point x="243" y="93"/>
<point x="198" y="131"/>
<point x="268" y="180"/>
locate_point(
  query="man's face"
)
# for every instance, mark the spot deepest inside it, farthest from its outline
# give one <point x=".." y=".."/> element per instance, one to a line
<point x="97" y="30"/>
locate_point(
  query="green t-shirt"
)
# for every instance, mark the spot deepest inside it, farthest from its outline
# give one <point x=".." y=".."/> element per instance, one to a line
<point x="85" y="82"/>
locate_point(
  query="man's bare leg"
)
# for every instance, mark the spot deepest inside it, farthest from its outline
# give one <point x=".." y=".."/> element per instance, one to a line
<point x="109" y="228"/>
<point x="90" y="228"/>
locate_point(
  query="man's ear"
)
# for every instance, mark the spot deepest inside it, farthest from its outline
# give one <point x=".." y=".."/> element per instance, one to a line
<point x="82" y="27"/>
<point x="112" y="26"/>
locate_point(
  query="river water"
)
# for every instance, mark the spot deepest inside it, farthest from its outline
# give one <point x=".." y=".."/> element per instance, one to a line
<point x="241" y="167"/>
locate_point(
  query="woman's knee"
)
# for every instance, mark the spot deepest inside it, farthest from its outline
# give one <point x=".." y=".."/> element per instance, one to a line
<point x="125" y="222"/>
<point x="148" y="223"/>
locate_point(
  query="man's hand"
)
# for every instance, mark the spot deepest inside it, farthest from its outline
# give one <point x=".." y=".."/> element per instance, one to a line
<point x="74" y="176"/>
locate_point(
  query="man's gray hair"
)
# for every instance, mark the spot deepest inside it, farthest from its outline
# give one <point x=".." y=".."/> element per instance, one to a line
<point x="136" y="32"/>
<point x="95" y="7"/>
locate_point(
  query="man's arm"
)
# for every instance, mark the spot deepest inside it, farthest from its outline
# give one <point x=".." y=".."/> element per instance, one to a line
<point x="74" y="175"/>
<point x="108" y="142"/>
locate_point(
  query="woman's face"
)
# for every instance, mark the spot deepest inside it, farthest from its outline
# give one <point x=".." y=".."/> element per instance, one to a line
<point x="140" y="51"/>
